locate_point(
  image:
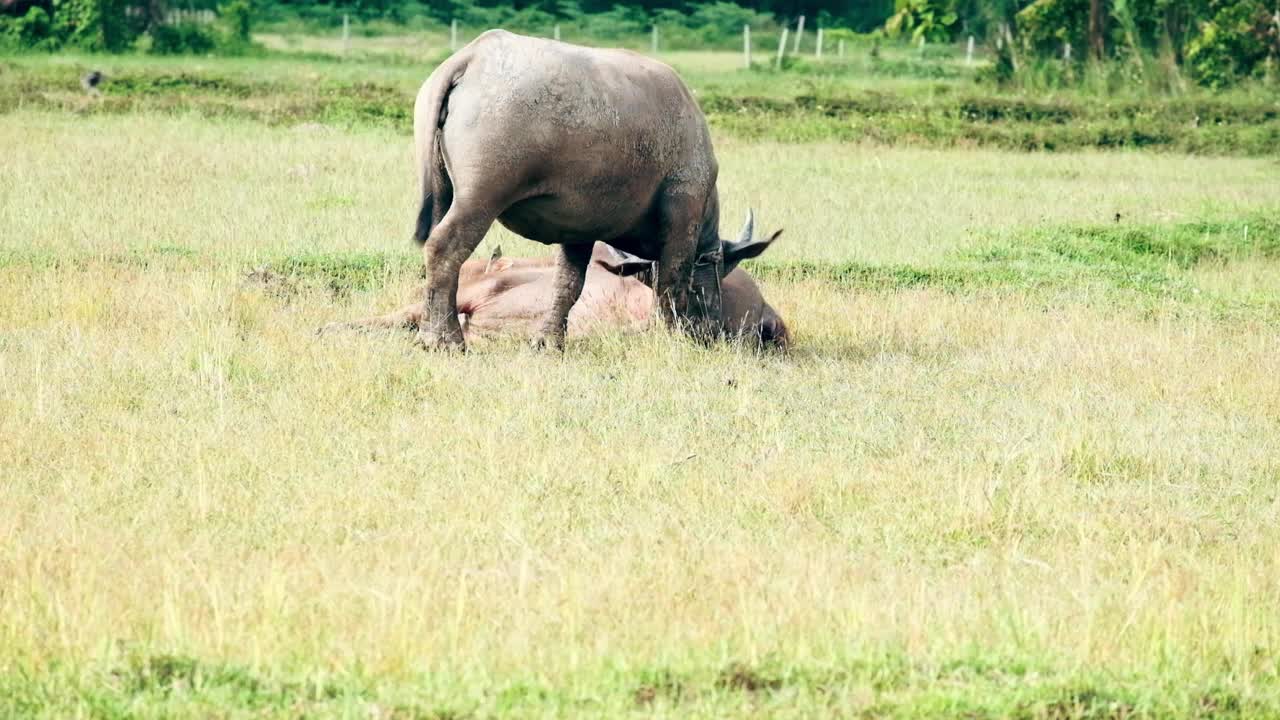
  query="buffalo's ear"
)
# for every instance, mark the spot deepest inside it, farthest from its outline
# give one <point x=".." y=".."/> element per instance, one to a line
<point x="736" y="252"/>
<point x="493" y="259"/>
<point x="625" y="264"/>
<point x="501" y="265"/>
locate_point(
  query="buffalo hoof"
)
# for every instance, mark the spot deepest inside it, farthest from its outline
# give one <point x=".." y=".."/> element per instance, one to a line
<point x="435" y="342"/>
<point x="544" y="343"/>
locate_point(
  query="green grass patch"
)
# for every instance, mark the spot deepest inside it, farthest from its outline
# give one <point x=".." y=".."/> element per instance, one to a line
<point x="339" y="273"/>
<point x="948" y="119"/>
<point x="1140" y="261"/>
<point x="790" y="106"/>
<point x="881" y="685"/>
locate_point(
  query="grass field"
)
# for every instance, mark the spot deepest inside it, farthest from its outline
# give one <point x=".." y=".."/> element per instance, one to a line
<point x="1024" y="460"/>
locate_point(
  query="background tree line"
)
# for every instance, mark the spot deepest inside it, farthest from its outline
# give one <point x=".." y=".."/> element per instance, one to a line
<point x="1217" y="42"/>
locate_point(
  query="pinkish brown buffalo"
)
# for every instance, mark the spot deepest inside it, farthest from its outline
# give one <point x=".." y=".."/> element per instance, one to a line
<point x="566" y="146"/>
<point x="510" y="296"/>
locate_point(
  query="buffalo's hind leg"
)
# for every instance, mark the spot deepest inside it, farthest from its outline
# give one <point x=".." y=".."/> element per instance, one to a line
<point x="571" y="275"/>
<point x="449" y="245"/>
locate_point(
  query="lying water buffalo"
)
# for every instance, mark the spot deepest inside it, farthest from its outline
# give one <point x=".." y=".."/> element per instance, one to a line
<point x="567" y="145"/>
<point x="510" y="296"/>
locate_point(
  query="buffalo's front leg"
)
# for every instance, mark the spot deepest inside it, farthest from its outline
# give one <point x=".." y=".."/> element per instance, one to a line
<point x="571" y="274"/>
<point x="681" y="222"/>
<point x="449" y="245"/>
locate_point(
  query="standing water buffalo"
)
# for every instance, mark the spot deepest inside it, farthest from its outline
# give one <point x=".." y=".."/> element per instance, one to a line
<point x="568" y="145"/>
<point x="506" y="296"/>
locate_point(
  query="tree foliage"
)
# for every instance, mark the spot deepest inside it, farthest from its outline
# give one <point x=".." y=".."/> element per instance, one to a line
<point x="1234" y="42"/>
<point x="1215" y="42"/>
<point x="931" y="20"/>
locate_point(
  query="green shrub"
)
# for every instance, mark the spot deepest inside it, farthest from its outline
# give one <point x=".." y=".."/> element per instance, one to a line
<point x="851" y="38"/>
<point x="717" y="20"/>
<point x="182" y="39"/>
<point x="932" y="20"/>
<point x="1002" y="70"/>
<point x="93" y="24"/>
<point x="237" y="19"/>
<point x="619" y="22"/>
<point x="33" y="30"/>
<point x="1045" y="25"/>
<point x="231" y="35"/>
<point x="1237" y="41"/>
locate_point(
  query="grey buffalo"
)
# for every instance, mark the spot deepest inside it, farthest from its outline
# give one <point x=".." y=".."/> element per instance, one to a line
<point x="567" y="146"/>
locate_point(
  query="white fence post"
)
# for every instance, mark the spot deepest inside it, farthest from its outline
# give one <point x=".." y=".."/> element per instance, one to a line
<point x="746" y="46"/>
<point x="968" y="53"/>
<point x="818" y="52"/>
<point x="1066" y="51"/>
<point x="840" y="48"/>
<point x="782" y="46"/>
<point x="799" y="34"/>
<point x="346" y="32"/>
<point x="653" y="42"/>
<point x="453" y="35"/>
<point x="556" y="34"/>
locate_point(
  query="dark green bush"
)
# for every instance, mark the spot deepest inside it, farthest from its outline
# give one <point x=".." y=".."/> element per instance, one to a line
<point x="1235" y="43"/>
<point x="1002" y="70"/>
<point x="237" y="19"/>
<point x="182" y="39"/>
<point x="619" y="22"/>
<point x="1045" y="25"/>
<point x="931" y="20"/>
<point x="33" y="30"/>
<point x="94" y="24"/>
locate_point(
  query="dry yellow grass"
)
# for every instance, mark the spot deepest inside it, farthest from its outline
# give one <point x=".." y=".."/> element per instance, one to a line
<point x="939" y="503"/>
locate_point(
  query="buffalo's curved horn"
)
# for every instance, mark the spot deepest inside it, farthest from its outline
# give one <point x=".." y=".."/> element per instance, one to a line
<point x="748" y="228"/>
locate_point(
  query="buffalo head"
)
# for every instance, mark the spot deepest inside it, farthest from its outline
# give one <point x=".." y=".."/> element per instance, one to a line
<point x="733" y="296"/>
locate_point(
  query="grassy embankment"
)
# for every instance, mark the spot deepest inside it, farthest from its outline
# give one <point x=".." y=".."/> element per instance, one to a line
<point x="899" y="99"/>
